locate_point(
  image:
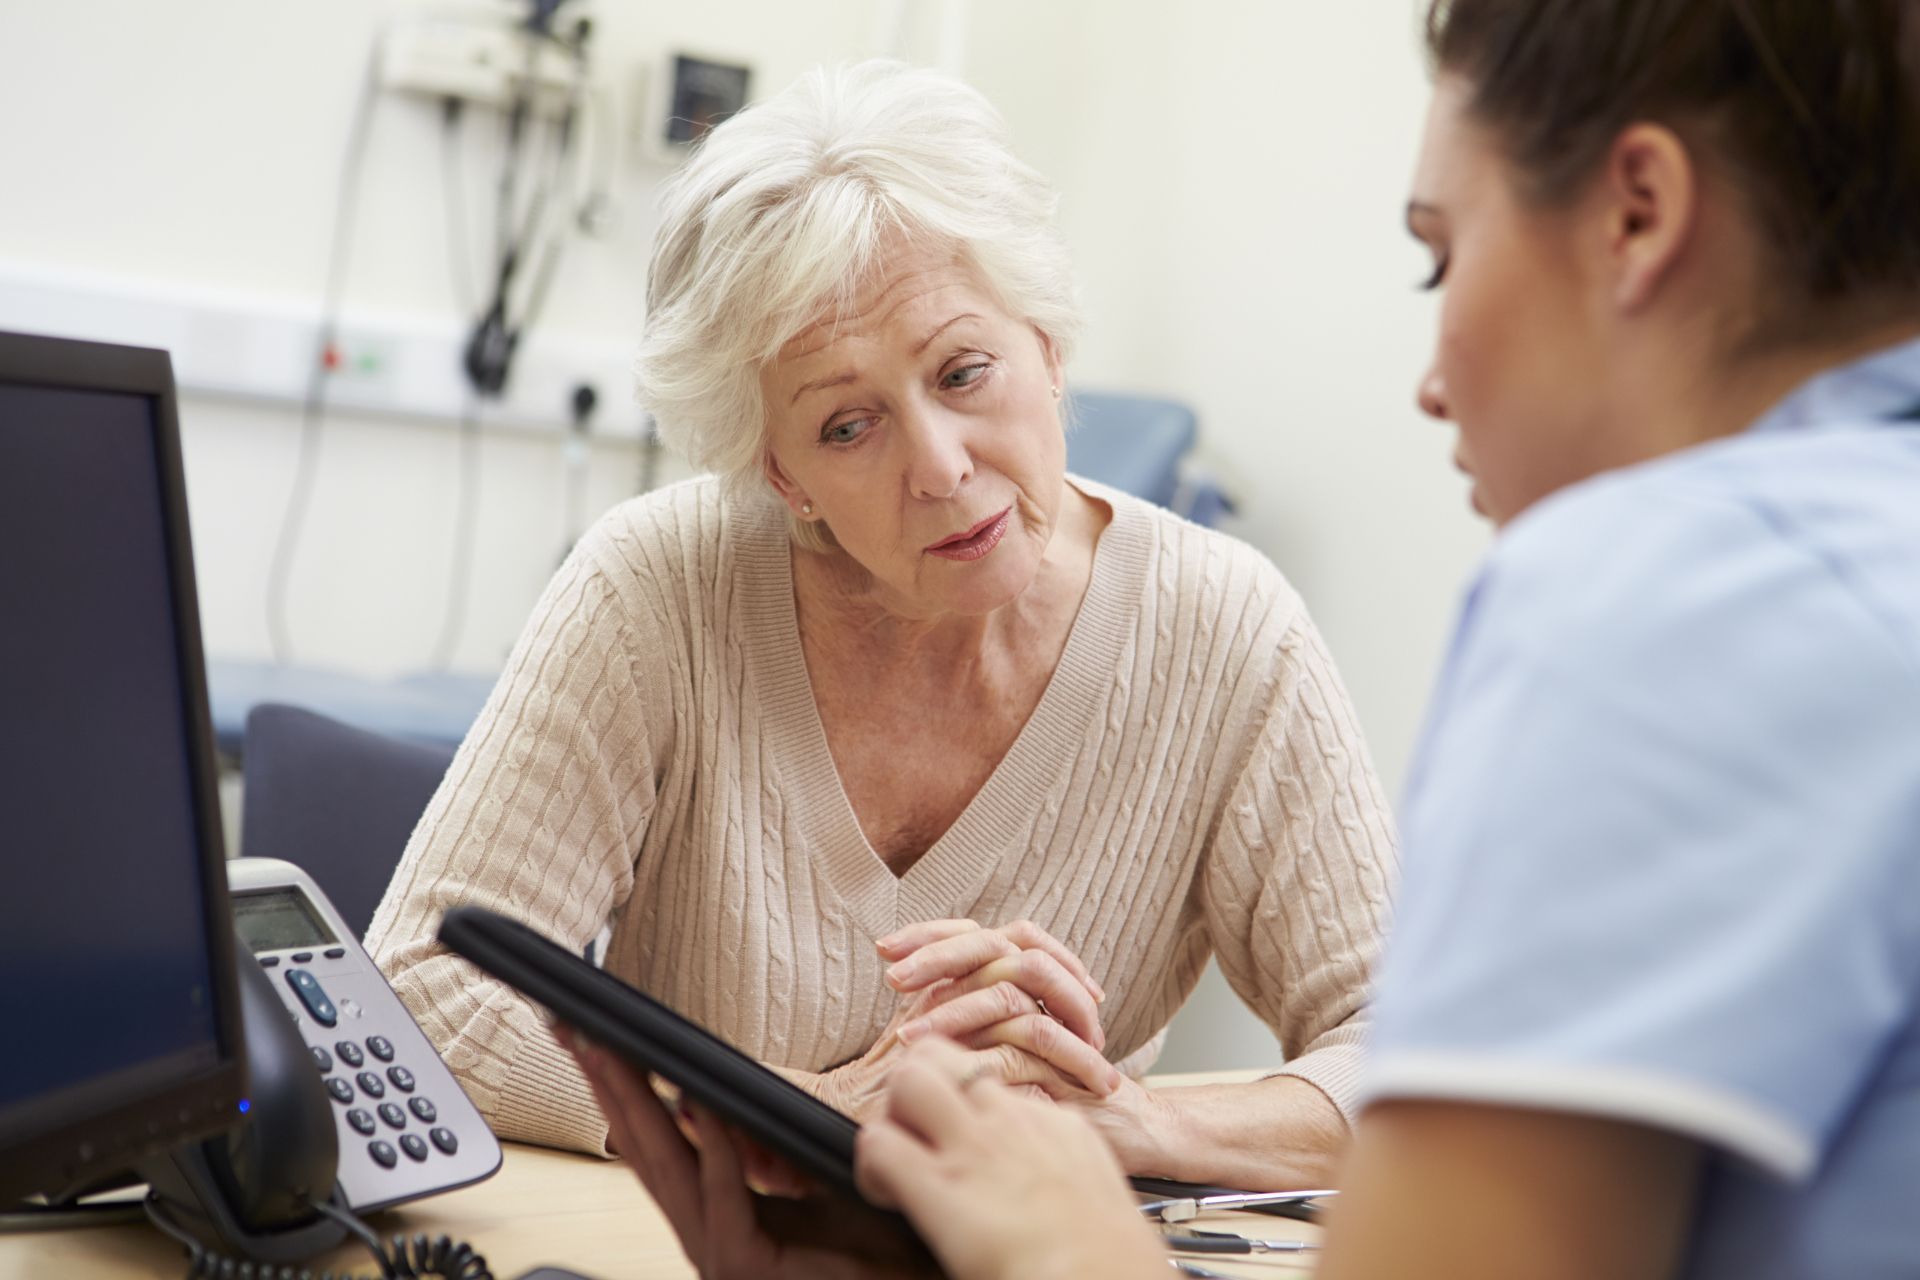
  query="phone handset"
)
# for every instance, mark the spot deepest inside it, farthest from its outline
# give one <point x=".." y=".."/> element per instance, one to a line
<point x="254" y="1188"/>
<point x="349" y="1109"/>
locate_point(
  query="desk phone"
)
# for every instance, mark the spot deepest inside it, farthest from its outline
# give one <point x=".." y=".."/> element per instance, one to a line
<point x="406" y="1128"/>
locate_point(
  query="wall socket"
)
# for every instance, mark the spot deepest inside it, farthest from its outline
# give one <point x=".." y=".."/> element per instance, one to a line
<point x="474" y="60"/>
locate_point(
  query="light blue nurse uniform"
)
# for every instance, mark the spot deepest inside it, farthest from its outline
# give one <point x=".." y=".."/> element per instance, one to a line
<point x="1662" y="835"/>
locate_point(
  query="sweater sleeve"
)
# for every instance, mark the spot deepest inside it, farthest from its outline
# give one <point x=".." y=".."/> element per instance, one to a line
<point x="539" y="817"/>
<point x="1297" y="885"/>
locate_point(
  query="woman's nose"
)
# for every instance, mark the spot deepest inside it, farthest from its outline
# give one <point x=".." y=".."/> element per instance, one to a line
<point x="1432" y="396"/>
<point x="938" y="461"/>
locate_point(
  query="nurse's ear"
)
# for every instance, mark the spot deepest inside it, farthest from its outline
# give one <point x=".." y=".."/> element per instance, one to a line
<point x="1649" y="193"/>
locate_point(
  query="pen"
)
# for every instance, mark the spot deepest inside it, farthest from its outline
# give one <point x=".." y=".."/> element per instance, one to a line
<point x="1197" y="1271"/>
<point x="1228" y="1242"/>
<point x="1189" y="1207"/>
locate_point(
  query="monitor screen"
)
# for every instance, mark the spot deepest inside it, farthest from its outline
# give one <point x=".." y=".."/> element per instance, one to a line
<point x="115" y="997"/>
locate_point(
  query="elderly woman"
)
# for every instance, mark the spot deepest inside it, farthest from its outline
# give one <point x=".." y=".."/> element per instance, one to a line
<point x="793" y="729"/>
<point x="1652" y="1005"/>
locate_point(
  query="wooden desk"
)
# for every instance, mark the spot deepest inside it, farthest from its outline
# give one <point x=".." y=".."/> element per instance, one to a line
<point x="544" y="1208"/>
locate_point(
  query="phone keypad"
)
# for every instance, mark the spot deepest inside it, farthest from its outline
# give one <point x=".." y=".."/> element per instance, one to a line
<point x="388" y="1091"/>
<point x="372" y="1086"/>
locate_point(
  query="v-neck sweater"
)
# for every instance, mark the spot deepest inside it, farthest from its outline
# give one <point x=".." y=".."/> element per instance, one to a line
<point x="1192" y="783"/>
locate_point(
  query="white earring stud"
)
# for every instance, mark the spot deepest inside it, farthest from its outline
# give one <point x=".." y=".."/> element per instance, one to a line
<point x="806" y="508"/>
<point x="1055" y="388"/>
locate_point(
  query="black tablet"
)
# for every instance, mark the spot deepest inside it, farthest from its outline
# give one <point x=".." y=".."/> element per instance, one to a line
<point x="779" y="1115"/>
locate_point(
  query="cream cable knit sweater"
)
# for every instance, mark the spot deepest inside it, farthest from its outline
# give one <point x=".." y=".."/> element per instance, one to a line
<point x="1193" y="782"/>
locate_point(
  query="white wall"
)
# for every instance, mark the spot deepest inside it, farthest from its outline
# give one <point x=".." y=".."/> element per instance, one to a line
<point x="198" y="145"/>
<point x="1233" y="177"/>
<point x="1232" y="174"/>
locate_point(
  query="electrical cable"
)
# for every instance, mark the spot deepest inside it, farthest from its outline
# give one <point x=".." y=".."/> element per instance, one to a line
<point x="550" y="251"/>
<point x="418" y="1257"/>
<point x="453" y="190"/>
<point x="568" y="126"/>
<point x="522" y="240"/>
<point x="453" y="622"/>
<point x="60" y="1217"/>
<point x="313" y="406"/>
<point x="594" y="212"/>
<point x="515" y="124"/>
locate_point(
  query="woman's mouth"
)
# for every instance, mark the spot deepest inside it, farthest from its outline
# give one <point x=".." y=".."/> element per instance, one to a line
<point x="972" y="544"/>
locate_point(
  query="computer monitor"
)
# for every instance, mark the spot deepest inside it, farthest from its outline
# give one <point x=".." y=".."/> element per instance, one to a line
<point x="119" y="1012"/>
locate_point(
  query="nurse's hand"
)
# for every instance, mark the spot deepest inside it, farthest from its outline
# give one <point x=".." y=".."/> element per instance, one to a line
<point x="1002" y="1187"/>
<point x="701" y="1187"/>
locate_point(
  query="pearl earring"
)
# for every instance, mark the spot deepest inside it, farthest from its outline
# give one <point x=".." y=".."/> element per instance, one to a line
<point x="1054" y="387"/>
<point x="806" y="508"/>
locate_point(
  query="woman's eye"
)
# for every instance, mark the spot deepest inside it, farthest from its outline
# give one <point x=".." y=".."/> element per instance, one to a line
<point x="1439" y="276"/>
<point x="846" y="432"/>
<point x="965" y="376"/>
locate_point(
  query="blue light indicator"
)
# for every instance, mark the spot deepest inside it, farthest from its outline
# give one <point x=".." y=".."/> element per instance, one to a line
<point x="245" y="1106"/>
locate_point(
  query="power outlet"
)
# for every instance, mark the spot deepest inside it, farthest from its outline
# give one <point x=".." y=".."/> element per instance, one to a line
<point x="367" y="362"/>
<point x="473" y="60"/>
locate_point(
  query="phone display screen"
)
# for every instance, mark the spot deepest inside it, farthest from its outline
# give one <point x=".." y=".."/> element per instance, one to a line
<point x="277" y="920"/>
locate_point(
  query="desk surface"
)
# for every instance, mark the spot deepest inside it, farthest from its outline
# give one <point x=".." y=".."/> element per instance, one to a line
<point x="544" y="1208"/>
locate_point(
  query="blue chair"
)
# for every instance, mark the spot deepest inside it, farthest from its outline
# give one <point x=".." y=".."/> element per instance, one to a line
<point x="1137" y="444"/>
<point x="429" y="707"/>
<point x="338" y="802"/>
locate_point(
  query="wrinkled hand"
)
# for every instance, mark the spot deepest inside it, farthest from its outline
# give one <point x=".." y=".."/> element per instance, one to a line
<point x="1015" y="997"/>
<point x="702" y="1187"/>
<point x="1002" y="1187"/>
<point x="1020" y="974"/>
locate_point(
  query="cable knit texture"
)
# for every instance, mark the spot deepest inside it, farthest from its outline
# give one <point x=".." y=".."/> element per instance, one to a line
<point x="1192" y="783"/>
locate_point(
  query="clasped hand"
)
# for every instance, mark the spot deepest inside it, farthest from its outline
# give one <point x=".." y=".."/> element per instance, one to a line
<point x="1017" y="1000"/>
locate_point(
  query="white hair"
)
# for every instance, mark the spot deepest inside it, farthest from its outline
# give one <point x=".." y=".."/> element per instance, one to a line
<point x="783" y="211"/>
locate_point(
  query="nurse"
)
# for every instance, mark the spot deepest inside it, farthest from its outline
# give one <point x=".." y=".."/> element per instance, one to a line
<point x="1651" y="1006"/>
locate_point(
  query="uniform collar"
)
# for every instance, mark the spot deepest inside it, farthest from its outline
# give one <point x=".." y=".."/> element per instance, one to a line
<point x="1882" y="387"/>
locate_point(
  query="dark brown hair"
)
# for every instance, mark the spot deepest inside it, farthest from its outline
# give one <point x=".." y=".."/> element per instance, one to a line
<point x="1811" y="107"/>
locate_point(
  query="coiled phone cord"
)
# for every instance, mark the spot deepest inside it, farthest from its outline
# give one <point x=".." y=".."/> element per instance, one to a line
<point x="417" y="1258"/>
